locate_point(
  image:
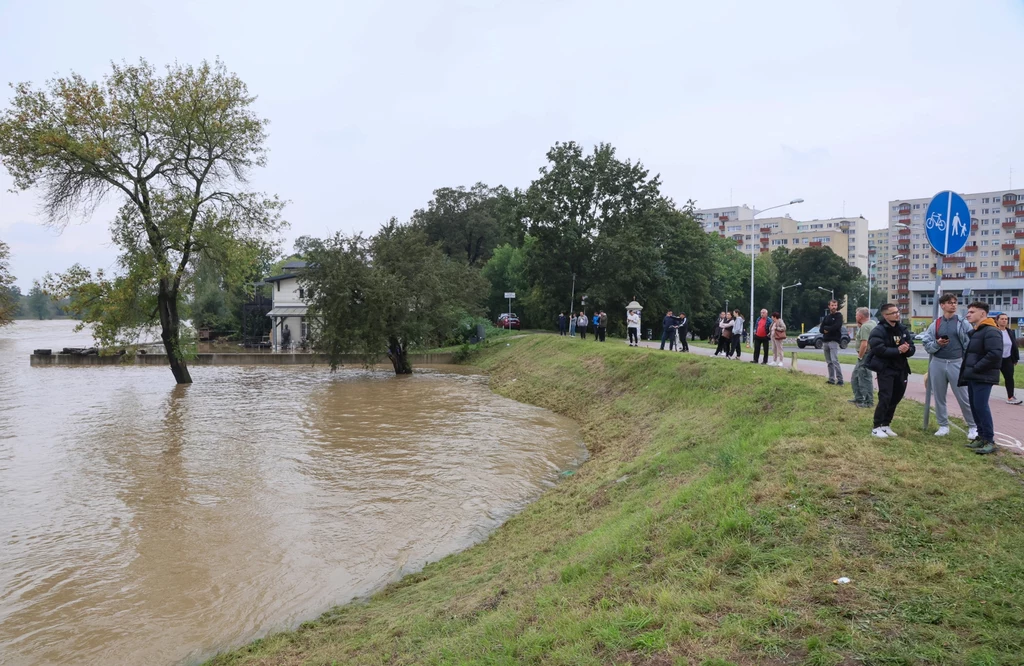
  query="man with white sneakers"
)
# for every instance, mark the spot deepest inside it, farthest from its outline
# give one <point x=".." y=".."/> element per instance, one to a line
<point x="891" y="344"/>
<point x="945" y="341"/>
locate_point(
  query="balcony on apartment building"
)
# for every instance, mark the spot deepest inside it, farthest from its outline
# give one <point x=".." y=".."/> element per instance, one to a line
<point x="903" y="271"/>
<point x="971" y="247"/>
<point x="1010" y="225"/>
<point x="1009" y="199"/>
<point x="904" y="231"/>
<point x="1019" y="212"/>
<point x="766" y="230"/>
<point x="903" y="247"/>
<point x="932" y="269"/>
<point x="1009" y="246"/>
<point x="765" y="249"/>
<point x="723" y="218"/>
<point x="1008" y="268"/>
<point x="814" y="244"/>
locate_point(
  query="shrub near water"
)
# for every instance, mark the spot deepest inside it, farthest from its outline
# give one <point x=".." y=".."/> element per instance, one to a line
<point x="720" y="503"/>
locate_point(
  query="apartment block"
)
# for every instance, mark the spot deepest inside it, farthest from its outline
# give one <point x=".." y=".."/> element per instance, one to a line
<point x="879" y="260"/>
<point x="989" y="265"/>
<point x="847" y="236"/>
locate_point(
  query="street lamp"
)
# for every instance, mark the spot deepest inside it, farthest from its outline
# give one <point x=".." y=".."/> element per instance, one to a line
<point x="782" y="296"/>
<point x="753" y="251"/>
<point x="831" y="293"/>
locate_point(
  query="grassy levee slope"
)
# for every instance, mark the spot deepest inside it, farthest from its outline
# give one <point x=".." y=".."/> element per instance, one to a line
<point x="720" y="503"/>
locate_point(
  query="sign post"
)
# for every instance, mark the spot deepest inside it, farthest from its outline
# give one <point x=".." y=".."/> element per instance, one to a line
<point x="948" y="223"/>
<point x="509" y="295"/>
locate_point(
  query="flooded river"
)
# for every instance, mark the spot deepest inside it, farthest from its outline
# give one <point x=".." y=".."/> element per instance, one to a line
<point x="146" y="523"/>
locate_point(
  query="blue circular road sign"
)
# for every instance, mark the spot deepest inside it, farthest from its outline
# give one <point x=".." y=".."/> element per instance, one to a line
<point x="948" y="222"/>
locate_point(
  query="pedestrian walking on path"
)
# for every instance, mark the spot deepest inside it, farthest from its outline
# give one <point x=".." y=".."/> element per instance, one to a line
<point x="831" y="335"/>
<point x="891" y="345"/>
<point x="761" y="331"/>
<point x="778" y="338"/>
<point x="737" y="333"/>
<point x="945" y="340"/>
<point x="861" y="380"/>
<point x="1011" y="356"/>
<point x="720" y="340"/>
<point x="980" y="372"/>
<point x="681" y="330"/>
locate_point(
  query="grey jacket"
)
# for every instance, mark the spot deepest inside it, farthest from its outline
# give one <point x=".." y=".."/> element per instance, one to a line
<point x="931" y="345"/>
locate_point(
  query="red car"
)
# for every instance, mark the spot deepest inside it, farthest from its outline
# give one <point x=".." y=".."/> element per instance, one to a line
<point x="508" y="320"/>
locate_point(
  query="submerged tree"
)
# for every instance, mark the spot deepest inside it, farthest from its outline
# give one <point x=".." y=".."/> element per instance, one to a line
<point x="175" y="150"/>
<point x="9" y="299"/>
<point x="379" y="296"/>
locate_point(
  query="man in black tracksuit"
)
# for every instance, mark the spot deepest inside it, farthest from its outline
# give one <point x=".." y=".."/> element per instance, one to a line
<point x="890" y="345"/>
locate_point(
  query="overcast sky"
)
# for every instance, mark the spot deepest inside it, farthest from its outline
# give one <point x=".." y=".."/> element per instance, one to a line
<point x="373" y="105"/>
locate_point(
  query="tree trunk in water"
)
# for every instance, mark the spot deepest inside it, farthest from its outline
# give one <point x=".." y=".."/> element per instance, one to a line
<point x="167" y="305"/>
<point x="398" y="356"/>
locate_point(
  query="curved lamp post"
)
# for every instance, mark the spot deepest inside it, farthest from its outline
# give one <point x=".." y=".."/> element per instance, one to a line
<point x="782" y="297"/>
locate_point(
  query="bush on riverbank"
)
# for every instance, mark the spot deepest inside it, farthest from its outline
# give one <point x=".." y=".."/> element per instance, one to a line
<point x="721" y="502"/>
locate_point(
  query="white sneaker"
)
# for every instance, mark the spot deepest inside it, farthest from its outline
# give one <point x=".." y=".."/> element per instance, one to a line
<point x="942" y="431"/>
<point x="880" y="433"/>
<point x="889" y="431"/>
<point x="972" y="434"/>
<point x="1013" y="401"/>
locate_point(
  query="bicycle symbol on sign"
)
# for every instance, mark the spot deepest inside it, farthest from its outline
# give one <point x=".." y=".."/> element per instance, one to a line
<point x="935" y="220"/>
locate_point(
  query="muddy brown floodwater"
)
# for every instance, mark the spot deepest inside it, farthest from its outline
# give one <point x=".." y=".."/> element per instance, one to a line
<point x="145" y="523"/>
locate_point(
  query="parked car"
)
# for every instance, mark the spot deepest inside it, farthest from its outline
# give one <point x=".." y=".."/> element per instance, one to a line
<point x="812" y="338"/>
<point x="508" y="320"/>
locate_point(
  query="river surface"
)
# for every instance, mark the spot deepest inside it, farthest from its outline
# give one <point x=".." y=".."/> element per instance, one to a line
<point x="147" y="523"/>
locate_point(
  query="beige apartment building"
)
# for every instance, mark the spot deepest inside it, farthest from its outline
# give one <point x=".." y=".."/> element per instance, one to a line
<point x="880" y="259"/>
<point x="989" y="265"/>
<point x="847" y="236"/>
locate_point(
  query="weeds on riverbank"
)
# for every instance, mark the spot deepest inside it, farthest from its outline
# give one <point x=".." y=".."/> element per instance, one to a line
<point x="721" y="503"/>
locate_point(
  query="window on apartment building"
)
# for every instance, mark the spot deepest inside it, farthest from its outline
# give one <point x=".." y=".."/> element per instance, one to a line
<point x="895" y="207"/>
<point x="984" y="264"/>
<point x="917" y="246"/>
<point x="917" y="236"/>
<point x="971" y="263"/>
<point x="984" y="222"/>
<point x="917" y="267"/>
<point x="985" y="200"/>
<point x="984" y="232"/>
<point x="917" y="256"/>
<point x="984" y="242"/>
<point x="984" y="253"/>
<point x="917" y="206"/>
<point x="915" y="217"/>
<point x="984" y="211"/>
<point x="984" y="275"/>
<point x="927" y="299"/>
<point x="973" y="211"/>
<point x="970" y="202"/>
<point x="995" y="232"/>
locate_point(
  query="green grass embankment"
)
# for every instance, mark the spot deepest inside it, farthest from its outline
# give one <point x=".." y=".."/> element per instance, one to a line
<point x="720" y="503"/>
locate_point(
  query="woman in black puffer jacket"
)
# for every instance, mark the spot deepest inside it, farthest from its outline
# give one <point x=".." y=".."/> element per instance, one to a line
<point x="980" y="372"/>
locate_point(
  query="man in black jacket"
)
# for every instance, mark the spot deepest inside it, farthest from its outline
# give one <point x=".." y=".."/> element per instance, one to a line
<point x="980" y="372"/>
<point x="891" y="344"/>
<point x="831" y="335"/>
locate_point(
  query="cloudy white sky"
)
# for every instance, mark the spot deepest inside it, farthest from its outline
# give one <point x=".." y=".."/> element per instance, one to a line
<point x="373" y="105"/>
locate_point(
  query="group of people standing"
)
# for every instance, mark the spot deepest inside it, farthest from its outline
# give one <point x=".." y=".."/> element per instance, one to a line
<point x="965" y="356"/>
<point x="571" y="324"/>
<point x="674" y="329"/>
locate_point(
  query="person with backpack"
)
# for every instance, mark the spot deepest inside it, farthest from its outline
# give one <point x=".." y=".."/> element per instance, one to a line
<point x="891" y="344"/>
<point x="778" y="331"/>
<point x="945" y="340"/>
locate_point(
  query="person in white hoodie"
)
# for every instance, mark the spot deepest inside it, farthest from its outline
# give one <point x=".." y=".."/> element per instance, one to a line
<point x="633" y="327"/>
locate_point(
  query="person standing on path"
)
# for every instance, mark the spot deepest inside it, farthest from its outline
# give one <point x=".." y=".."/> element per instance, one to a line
<point x="581" y="325"/>
<point x="720" y="341"/>
<point x="561" y="323"/>
<point x="681" y="331"/>
<point x="861" y="379"/>
<point x="980" y="372"/>
<point x="596" y="321"/>
<point x="737" y="333"/>
<point x="945" y="340"/>
<point x="891" y="345"/>
<point x="1011" y="356"/>
<point x="725" y="337"/>
<point x="778" y="338"/>
<point x="761" y="330"/>
<point x="602" y="325"/>
<point x="831" y="335"/>
<point x="668" y="331"/>
<point x="633" y="328"/>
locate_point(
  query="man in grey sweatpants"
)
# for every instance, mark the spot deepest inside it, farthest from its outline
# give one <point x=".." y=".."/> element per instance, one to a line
<point x="945" y="341"/>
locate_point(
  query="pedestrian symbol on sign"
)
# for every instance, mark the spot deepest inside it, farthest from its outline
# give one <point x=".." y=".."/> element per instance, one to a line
<point x="948" y="222"/>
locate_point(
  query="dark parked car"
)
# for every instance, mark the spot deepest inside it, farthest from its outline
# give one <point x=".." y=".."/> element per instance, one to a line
<point x="508" y="320"/>
<point x="812" y="338"/>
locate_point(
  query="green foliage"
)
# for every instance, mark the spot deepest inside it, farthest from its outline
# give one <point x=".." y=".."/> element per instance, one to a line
<point x="38" y="304"/>
<point x="381" y="295"/>
<point x="9" y="298"/>
<point x="174" y="149"/>
<point x="467" y="223"/>
<point x="814" y="267"/>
